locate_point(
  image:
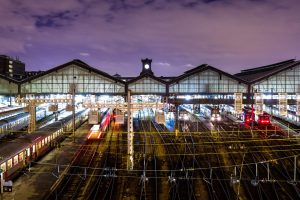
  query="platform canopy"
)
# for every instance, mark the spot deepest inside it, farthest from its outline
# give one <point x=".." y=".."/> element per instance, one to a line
<point x="147" y="84"/>
<point x="8" y="86"/>
<point x="275" y="78"/>
<point x="87" y="80"/>
<point x="206" y="79"/>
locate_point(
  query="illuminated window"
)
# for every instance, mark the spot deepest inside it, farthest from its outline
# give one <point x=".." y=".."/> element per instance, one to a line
<point x="9" y="164"/>
<point x="21" y="156"/>
<point x="16" y="159"/>
<point x="28" y="152"/>
<point x="3" y="167"/>
<point x="43" y="142"/>
<point x="33" y="149"/>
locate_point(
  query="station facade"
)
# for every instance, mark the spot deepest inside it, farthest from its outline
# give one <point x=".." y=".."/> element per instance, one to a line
<point x="203" y="83"/>
<point x="203" y="80"/>
<point x="278" y="86"/>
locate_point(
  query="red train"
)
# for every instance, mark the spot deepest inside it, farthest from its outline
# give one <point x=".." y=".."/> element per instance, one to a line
<point x="261" y="119"/>
<point x="97" y="131"/>
<point x="264" y="119"/>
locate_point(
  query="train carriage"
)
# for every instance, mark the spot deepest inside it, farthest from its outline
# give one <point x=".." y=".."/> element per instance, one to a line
<point x="13" y="156"/>
<point x="18" y="121"/>
<point x="98" y="131"/>
<point x="17" y="154"/>
<point x="249" y="116"/>
<point x="213" y="113"/>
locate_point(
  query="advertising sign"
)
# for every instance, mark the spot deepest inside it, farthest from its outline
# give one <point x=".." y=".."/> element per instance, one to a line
<point x="53" y="108"/>
<point x="93" y="117"/>
<point x="282" y="97"/>
<point x="259" y="101"/>
<point x="160" y="117"/>
<point x="238" y="102"/>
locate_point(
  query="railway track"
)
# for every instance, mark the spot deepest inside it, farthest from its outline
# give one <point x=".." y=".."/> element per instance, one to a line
<point x="149" y="176"/>
<point x="73" y="178"/>
<point x="104" y="185"/>
<point x="258" y="179"/>
<point x="227" y="162"/>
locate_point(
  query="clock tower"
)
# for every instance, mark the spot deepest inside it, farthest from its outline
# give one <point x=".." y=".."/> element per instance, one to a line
<point x="146" y="64"/>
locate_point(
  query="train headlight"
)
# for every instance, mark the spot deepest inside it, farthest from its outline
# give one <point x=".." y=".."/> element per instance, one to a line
<point x="212" y="118"/>
<point x="219" y="118"/>
<point x="186" y="117"/>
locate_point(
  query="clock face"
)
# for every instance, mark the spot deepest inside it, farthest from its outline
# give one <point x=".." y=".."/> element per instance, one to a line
<point x="147" y="66"/>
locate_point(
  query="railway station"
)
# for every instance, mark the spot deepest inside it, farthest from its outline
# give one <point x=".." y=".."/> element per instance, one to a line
<point x="205" y="134"/>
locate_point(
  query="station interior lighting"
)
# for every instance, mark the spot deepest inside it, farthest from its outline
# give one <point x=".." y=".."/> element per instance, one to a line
<point x="185" y="117"/>
<point x="188" y="97"/>
<point x="213" y="118"/>
<point x="79" y="98"/>
<point x="104" y="98"/>
<point x="267" y="96"/>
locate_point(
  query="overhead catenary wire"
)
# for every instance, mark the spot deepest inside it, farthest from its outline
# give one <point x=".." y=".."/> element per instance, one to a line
<point x="160" y="170"/>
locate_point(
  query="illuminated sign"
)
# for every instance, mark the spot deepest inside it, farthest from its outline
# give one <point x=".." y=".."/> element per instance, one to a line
<point x="282" y="98"/>
<point x="238" y="102"/>
<point x="259" y="102"/>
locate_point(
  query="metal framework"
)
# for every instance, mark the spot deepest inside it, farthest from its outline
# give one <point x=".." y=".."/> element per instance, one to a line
<point x="8" y="87"/>
<point x="86" y="80"/>
<point x="124" y="106"/>
<point x="287" y="81"/>
<point x="147" y="85"/>
<point x="204" y="81"/>
<point x="32" y="102"/>
<point x="207" y="81"/>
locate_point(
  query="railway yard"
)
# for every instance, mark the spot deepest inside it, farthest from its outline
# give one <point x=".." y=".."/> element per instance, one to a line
<point x="225" y="159"/>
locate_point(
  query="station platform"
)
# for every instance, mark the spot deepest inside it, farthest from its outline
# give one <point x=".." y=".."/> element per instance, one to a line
<point x="290" y="130"/>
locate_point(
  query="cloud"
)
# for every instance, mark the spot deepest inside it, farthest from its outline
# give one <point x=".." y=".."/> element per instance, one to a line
<point x="84" y="54"/>
<point x="188" y="66"/>
<point x="226" y="34"/>
<point x="165" y="64"/>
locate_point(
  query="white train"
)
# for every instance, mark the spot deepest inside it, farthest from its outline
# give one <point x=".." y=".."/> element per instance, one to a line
<point x="213" y="113"/>
<point x="19" y="121"/>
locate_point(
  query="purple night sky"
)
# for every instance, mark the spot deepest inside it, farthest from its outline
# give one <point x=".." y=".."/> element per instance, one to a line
<point x="113" y="35"/>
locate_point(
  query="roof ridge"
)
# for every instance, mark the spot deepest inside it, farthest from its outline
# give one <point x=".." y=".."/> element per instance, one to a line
<point x="268" y="66"/>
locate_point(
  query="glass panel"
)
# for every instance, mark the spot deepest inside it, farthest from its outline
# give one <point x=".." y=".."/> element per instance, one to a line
<point x="21" y="156"/>
<point x="9" y="164"/>
<point x="3" y="167"/>
<point x="16" y="159"/>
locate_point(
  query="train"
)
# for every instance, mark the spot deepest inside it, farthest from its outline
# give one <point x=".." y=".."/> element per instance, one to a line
<point x="249" y="116"/>
<point x="97" y="131"/>
<point x="291" y="117"/>
<point x="10" y="111"/>
<point x="19" y="121"/>
<point x="16" y="155"/>
<point x="213" y="113"/>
